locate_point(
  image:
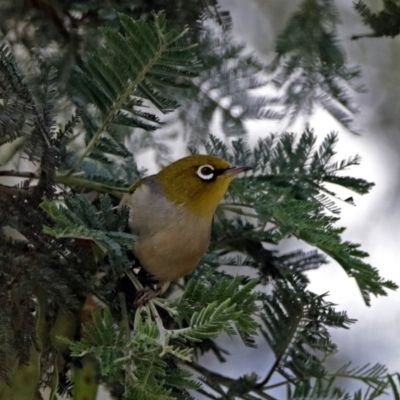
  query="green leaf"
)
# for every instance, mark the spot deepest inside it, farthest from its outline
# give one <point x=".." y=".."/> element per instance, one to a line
<point x="311" y="66"/>
<point x="131" y="65"/>
<point x="394" y="385"/>
<point x="79" y="219"/>
<point x="288" y="191"/>
<point x="208" y="312"/>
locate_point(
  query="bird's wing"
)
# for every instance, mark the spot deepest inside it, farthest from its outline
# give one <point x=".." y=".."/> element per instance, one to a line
<point x="150" y="181"/>
<point x="135" y="185"/>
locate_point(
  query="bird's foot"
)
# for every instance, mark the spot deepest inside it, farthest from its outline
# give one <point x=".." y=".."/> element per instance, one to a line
<point x="144" y="295"/>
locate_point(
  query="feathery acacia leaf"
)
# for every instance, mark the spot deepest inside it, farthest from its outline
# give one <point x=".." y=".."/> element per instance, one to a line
<point x="225" y="87"/>
<point x="79" y="219"/>
<point x="126" y="68"/>
<point x="287" y="189"/>
<point x="310" y="66"/>
<point x="383" y="23"/>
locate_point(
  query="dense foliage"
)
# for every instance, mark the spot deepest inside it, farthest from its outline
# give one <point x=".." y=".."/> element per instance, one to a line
<point x="120" y="78"/>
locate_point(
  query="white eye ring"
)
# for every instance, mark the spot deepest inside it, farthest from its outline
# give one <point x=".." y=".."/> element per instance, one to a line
<point x="205" y="172"/>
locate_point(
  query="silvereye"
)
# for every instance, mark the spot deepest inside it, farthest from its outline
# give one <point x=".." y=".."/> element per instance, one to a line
<point x="171" y="213"/>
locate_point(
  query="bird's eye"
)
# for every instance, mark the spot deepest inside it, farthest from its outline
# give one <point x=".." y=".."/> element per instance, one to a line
<point x="205" y="172"/>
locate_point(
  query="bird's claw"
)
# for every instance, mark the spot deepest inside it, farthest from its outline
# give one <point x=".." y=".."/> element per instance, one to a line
<point x="144" y="295"/>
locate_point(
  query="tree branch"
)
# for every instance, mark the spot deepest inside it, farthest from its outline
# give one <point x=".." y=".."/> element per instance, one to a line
<point x="279" y="358"/>
<point x="69" y="180"/>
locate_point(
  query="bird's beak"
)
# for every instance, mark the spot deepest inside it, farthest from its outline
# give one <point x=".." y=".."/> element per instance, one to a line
<point x="233" y="170"/>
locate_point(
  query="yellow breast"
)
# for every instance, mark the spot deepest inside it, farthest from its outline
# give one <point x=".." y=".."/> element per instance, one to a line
<point x="171" y="239"/>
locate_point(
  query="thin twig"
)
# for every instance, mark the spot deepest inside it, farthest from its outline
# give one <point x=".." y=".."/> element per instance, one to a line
<point x="70" y="180"/>
<point x="137" y="318"/>
<point x="164" y="337"/>
<point x="14" y="191"/>
<point x="122" y="99"/>
<point x="125" y="320"/>
<point x="151" y="309"/>
<point x="134" y="280"/>
<point x="226" y="381"/>
<point x="207" y="394"/>
<point x="74" y="180"/>
<point x="275" y="385"/>
<point x="279" y="358"/>
<point x="163" y="303"/>
<point x="19" y="174"/>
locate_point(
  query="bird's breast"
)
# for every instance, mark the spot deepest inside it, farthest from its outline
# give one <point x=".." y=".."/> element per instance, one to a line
<point x="173" y="253"/>
<point x="171" y="240"/>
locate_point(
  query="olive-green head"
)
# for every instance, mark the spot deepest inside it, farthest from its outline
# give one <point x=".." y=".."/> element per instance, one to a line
<point x="198" y="182"/>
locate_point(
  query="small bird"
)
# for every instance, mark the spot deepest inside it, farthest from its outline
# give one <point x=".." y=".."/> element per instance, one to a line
<point x="171" y="213"/>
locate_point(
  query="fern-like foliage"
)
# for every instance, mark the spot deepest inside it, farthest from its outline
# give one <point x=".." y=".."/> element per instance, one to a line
<point x="288" y="189"/>
<point x="311" y="66"/>
<point x="140" y="349"/>
<point x="61" y="251"/>
<point x="374" y="377"/>
<point x="128" y="69"/>
<point x="194" y="309"/>
<point x="17" y="112"/>
<point x="114" y="346"/>
<point x="384" y="23"/>
<point x="394" y="383"/>
<point x="23" y="115"/>
<point x="225" y="87"/>
<point x="79" y="219"/>
<point x="296" y="324"/>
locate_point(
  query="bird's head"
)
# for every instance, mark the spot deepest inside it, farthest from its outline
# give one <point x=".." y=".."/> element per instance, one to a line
<point x="198" y="182"/>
